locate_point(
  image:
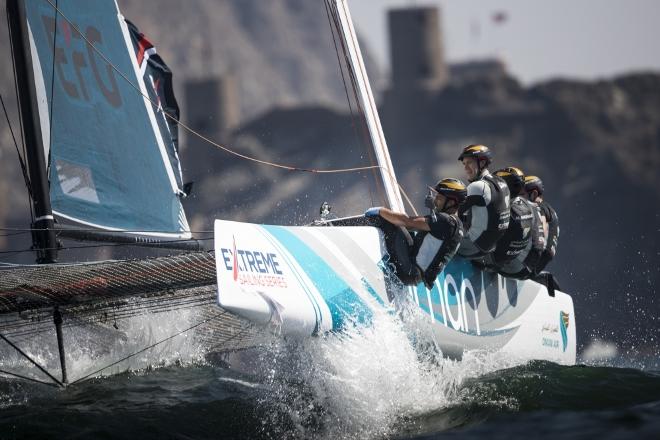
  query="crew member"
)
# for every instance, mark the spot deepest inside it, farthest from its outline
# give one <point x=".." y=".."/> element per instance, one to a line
<point x="439" y="233"/>
<point x="517" y="236"/>
<point x="524" y="265"/>
<point x="486" y="209"/>
<point x="534" y="193"/>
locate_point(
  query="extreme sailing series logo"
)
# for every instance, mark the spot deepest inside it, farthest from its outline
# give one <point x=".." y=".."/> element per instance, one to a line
<point x="253" y="267"/>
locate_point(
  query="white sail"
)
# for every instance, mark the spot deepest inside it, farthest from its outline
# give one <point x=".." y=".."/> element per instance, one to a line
<point x="368" y="104"/>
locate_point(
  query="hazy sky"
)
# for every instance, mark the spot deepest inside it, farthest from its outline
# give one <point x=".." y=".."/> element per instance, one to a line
<point x="538" y="39"/>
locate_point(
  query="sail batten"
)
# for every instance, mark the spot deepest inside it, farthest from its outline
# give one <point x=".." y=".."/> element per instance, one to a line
<point x="112" y="153"/>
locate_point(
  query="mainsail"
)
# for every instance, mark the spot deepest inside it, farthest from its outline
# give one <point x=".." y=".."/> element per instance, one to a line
<point x="102" y="93"/>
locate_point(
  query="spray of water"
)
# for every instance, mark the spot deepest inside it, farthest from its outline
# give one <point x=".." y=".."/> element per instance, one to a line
<point x="90" y="347"/>
<point x="367" y="382"/>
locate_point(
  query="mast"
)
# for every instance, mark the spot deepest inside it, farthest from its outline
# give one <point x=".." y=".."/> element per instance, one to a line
<point x="368" y="104"/>
<point x="43" y="236"/>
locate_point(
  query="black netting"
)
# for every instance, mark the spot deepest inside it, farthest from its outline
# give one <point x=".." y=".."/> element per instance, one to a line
<point x="100" y="296"/>
<point x="33" y="287"/>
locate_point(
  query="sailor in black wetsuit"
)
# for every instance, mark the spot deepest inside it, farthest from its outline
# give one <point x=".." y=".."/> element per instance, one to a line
<point x="486" y="209"/>
<point x="523" y="265"/>
<point x="534" y="193"/>
<point x="516" y="238"/>
<point x="439" y="233"/>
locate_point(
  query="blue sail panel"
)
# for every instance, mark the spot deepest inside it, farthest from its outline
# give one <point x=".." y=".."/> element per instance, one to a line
<point x="112" y="162"/>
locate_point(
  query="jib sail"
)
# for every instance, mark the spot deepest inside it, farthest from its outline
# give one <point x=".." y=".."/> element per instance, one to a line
<point x="102" y="97"/>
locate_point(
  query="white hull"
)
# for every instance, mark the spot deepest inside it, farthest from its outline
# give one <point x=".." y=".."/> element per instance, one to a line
<point x="309" y="280"/>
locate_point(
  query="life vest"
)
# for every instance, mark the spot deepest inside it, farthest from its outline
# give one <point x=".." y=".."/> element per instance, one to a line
<point x="525" y="264"/>
<point x="493" y="204"/>
<point x="428" y="253"/>
<point x="553" y="235"/>
<point x="537" y="242"/>
<point x="432" y="250"/>
<point x="517" y="236"/>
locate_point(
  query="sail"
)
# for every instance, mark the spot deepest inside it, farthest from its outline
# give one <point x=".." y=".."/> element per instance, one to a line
<point x="363" y="89"/>
<point x="112" y="152"/>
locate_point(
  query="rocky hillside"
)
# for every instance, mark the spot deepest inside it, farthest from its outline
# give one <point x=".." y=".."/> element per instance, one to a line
<point x="282" y="50"/>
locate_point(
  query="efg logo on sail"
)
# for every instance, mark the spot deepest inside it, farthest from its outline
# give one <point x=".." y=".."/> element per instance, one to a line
<point x="253" y="267"/>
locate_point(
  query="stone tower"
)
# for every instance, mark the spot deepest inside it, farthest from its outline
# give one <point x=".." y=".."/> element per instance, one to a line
<point x="416" y="50"/>
<point x="212" y="106"/>
<point x="212" y="109"/>
<point x="418" y="71"/>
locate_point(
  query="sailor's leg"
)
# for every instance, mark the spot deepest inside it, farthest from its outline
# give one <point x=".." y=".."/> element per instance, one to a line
<point x="398" y="244"/>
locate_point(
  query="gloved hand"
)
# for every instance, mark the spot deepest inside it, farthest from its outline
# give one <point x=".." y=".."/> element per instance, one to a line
<point x="372" y="212"/>
<point x="429" y="201"/>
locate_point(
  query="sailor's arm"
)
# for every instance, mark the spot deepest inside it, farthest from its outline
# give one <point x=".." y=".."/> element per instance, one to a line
<point x="400" y="219"/>
<point x="546" y="229"/>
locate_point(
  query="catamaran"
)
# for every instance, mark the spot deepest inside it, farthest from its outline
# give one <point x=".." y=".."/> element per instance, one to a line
<point x="100" y="125"/>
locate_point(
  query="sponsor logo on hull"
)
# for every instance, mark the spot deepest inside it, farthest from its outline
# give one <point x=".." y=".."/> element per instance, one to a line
<point x="550" y="332"/>
<point x="253" y="267"/>
<point x="563" y="326"/>
<point x="455" y="298"/>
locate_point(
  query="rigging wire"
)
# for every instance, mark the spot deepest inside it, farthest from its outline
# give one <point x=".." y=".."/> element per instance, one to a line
<point x="20" y="158"/>
<point x="31" y="379"/>
<point x="371" y="103"/>
<point x="32" y="361"/>
<point x="20" y="117"/>
<point x="355" y="93"/>
<point x="333" y="29"/>
<point x="365" y="130"/>
<point x="147" y="348"/>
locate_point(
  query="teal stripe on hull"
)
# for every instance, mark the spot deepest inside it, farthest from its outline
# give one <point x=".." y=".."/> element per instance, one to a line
<point x="344" y="303"/>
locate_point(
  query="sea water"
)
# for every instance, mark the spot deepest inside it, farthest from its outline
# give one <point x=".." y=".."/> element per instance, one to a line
<point x="387" y="380"/>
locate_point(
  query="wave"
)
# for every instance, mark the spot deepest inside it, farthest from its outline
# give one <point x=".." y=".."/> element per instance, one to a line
<point x="388" y="380"/>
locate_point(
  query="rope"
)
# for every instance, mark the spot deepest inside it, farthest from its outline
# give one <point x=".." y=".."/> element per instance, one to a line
<point x="147" y="348"/>
<point x="18" y="152"/>
<point x="204" y="138"/>
<point x="333" y="29"/>
<point x="389" y="172"/>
